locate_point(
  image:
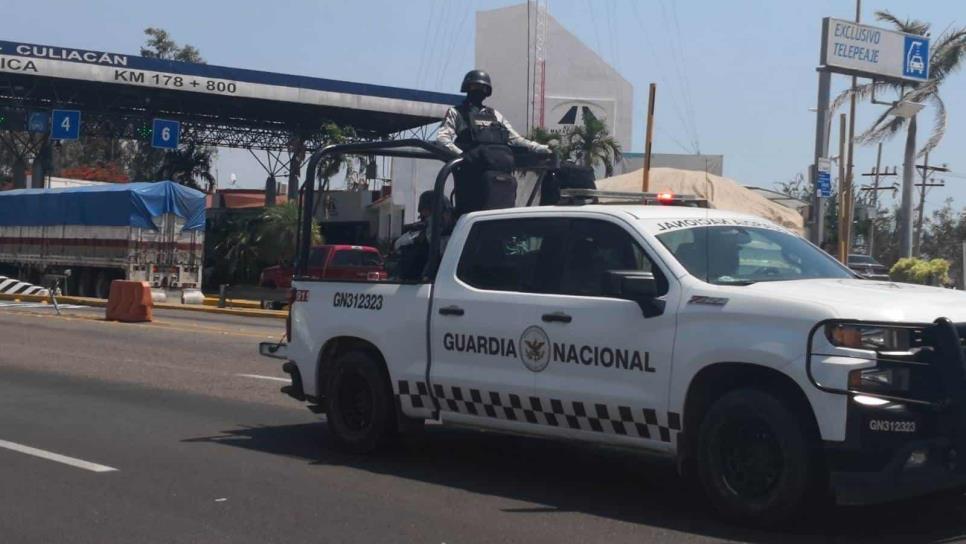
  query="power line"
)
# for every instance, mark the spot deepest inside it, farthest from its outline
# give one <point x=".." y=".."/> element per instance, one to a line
<point x="687" y="81"/>
<point x="675" y="106"/>
<point x="674" y="48"/>
<point x="593" y="22"/>
<point x="426" y="38"/>
<point x="458" y="31"/>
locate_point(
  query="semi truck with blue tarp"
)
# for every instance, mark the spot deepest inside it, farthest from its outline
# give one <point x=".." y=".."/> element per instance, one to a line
<point x="150" y="231"/>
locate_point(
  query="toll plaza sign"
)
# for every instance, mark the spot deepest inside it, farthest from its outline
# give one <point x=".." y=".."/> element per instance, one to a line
<point x="867" y="51"/>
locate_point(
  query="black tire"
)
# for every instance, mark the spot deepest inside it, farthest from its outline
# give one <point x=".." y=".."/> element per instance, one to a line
<point x="755" y="459"/>
<point x="361" y="410"/>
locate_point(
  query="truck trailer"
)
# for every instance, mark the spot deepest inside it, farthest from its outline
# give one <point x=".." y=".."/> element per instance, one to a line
<point x="150" y="231"/>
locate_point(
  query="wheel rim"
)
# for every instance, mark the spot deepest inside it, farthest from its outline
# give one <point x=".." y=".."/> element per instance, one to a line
<point x="355" y="402"/>
<point x="750" y="458"/>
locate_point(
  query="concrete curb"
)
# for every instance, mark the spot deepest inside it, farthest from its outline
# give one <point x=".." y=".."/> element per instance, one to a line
<point x="100" y="303"/>
<point x="245" y="312"/>
<point x="234" y="303"/>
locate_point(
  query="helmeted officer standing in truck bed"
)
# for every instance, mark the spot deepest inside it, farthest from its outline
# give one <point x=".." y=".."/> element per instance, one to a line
<point x="482" y="136"/>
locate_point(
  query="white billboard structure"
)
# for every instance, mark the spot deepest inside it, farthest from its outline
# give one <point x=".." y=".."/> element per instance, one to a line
<point x="556" y="79"/>
<point x="867" y="51"/>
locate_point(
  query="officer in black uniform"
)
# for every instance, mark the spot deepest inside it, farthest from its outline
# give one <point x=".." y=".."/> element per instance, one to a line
<point x="482" y="136"/>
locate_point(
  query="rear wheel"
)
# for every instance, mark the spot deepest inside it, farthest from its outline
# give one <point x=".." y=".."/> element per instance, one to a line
<point x="361" y="412"/>
<point x="754" y="458"/>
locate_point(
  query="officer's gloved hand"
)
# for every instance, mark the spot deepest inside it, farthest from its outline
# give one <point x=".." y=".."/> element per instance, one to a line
<point x="544" y="150"/>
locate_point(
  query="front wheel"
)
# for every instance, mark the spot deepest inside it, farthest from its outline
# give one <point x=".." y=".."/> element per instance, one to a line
<point x="361" y="412"/>
<point x="754" y="459"/>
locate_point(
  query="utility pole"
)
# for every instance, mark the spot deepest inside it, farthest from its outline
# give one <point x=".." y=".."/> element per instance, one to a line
<point x="648" y="137"/>
<point x="849" y="203"/>
<point x="843" y="249"/>
<point x="822" y="137"/>
<point x="923" y="187"/>
<point x="877" y="174"/>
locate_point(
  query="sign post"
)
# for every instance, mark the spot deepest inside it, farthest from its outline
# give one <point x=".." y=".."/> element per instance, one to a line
<point x="65" y="125"/>
<point x="165" y="134"/>
<point x="860" y="51"/>
<point x="824" y="181"/>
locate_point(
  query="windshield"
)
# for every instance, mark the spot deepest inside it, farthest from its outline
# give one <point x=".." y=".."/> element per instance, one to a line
<point x="745" y="255"/>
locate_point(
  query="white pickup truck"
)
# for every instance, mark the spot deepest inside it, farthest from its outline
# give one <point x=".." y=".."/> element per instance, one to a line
<point x="762" y="366"/>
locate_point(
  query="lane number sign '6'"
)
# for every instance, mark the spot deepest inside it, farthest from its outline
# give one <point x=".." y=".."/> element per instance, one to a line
<point x="165" y="134"/>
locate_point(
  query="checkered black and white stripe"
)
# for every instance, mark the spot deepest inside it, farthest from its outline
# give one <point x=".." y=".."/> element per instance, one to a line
<point x="594" y="417"/>
<point x="10" y="286"/>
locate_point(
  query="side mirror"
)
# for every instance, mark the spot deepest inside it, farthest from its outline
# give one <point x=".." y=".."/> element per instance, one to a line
<point x="637" y="286"/>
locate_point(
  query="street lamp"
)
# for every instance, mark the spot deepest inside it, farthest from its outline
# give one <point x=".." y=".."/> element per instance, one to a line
<point x="907" y="109"/>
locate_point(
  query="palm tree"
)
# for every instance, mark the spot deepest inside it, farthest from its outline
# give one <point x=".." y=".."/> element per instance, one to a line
<point x="589" y="144"/>
<point x="592" y="144"/>
<point x="188" y="165"/>
<point x="277" y="230"/>
<point x="946" y="56"/>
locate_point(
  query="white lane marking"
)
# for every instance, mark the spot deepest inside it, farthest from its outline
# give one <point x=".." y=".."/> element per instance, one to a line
<point x="260" y="377"/>
<point x="38" y="305"/>
<point x="51" y="456"/>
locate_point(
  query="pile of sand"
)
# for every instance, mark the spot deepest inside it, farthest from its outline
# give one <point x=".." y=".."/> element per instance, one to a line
<point x="723" y="193"/>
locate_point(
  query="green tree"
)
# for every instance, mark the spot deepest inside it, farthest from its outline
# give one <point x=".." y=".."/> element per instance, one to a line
<point x="921" y="271"/>
<point x="277" y="231"/>
<point x="189" y="165"/>
<point x="591" y="144"/>
<point x="235" y="252"/>
<point x="588" y="144"/>
<point x="159" y="45"/>
<point x="943" y="237"/>
<point x="557" y="140"/>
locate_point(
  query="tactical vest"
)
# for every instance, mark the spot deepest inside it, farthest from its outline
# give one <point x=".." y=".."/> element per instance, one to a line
<point x="480" y="127"/>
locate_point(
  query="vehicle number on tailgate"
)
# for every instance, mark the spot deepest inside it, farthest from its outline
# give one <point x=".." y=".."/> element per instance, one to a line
<point x="359" y="301"/>
<point x="892" y="426"/>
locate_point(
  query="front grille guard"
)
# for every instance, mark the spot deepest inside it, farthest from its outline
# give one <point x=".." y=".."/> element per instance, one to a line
<point x="942" y="351"/>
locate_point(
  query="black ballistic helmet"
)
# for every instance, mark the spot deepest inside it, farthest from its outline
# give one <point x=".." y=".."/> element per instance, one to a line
<point x="479" y="77"/>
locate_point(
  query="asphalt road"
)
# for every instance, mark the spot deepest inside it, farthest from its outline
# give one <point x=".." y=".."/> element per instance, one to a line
<point x="175" y="432"/>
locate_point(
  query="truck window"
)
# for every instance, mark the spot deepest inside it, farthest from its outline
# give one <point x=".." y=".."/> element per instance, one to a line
<point x="356" y="257"/>
<point x="317" y="257"/>
<point x="745" y="255"/>
<point x="595" y="248"/>
<point x="520" y="255"/>
<point x="345" y="257"/>
<point x="369" y="258"/>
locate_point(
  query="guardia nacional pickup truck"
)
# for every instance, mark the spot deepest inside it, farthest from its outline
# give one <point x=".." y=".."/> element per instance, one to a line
<point x="767" y="370"/>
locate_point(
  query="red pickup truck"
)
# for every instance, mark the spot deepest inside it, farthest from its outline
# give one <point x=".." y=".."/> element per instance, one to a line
<point x="341" y="262"/>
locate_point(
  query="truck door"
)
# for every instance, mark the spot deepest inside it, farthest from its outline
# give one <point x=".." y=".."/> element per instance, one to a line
<point x="608" y="366"/>
<point x="484" y="301"/>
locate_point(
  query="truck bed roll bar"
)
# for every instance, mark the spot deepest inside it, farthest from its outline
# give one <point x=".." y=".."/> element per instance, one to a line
<point x="409" y="148"/>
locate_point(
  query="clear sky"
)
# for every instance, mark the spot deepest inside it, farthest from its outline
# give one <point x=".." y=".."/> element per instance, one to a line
<point x="738" y="76"/>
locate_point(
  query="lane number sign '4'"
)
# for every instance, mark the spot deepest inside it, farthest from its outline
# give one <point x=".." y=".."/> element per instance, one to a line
<point x="165" y="134"/>
<point x="65" y="124"/>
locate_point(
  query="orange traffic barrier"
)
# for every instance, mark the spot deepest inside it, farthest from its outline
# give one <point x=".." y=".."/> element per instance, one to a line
<point x="129" y="301"/>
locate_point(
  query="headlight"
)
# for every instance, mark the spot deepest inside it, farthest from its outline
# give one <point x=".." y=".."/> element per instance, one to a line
<point x="880" y="380"/>
<point x="872" y="337"/>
